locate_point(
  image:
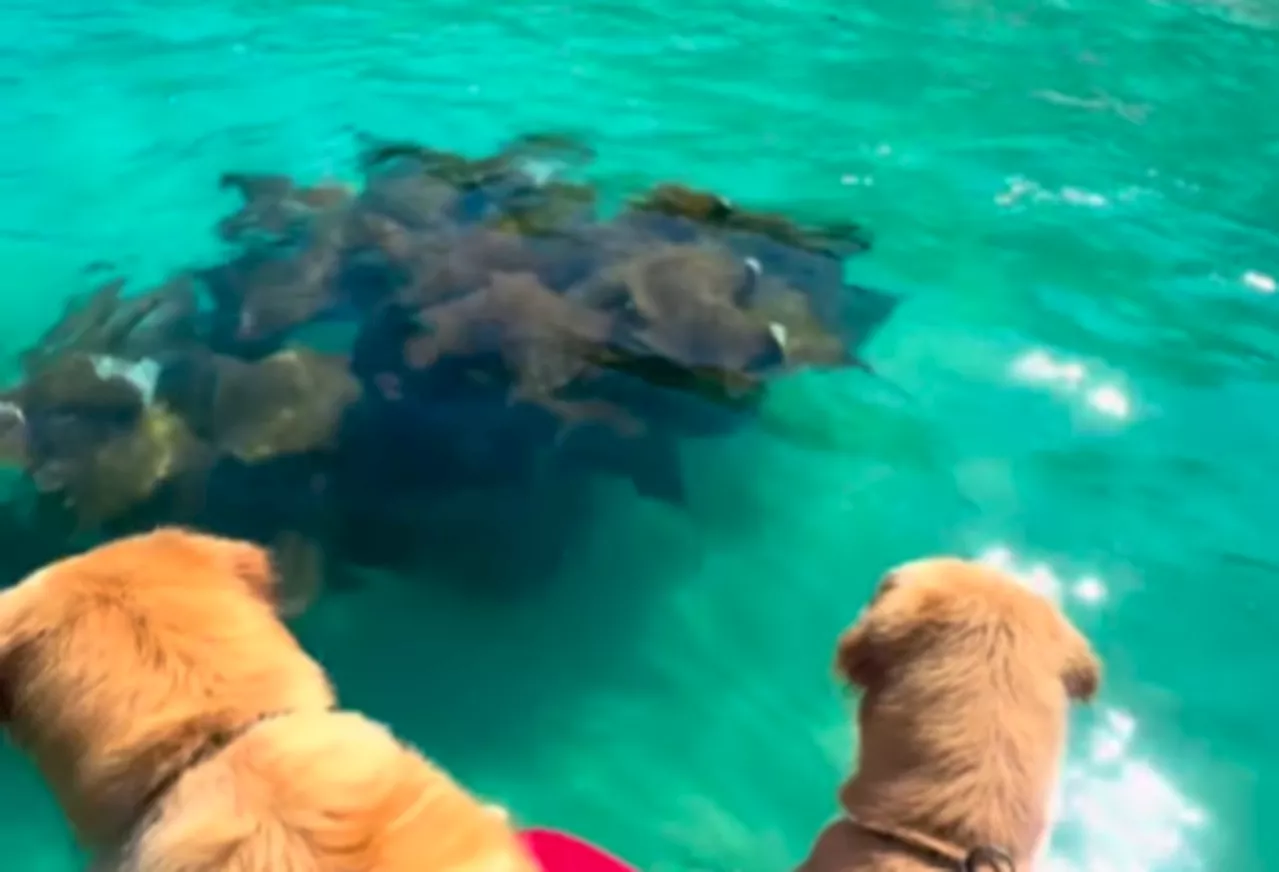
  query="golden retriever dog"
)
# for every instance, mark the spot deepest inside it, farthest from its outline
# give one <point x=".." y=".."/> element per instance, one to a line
<point x="967" y="676"/>
<point x="183" y="729"/>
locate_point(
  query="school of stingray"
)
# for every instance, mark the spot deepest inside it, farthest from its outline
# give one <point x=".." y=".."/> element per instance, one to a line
<point x="496" y="329"/>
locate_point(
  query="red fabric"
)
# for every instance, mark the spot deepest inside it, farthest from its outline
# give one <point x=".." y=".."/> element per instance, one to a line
<point x="561" y="852"/>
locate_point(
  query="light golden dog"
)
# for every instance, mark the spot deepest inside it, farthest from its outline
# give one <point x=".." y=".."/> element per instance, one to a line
<point x="183" y="729"/>
<point x="967" y="678"/>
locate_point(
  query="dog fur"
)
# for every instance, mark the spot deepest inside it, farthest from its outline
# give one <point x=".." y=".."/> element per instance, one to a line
<point x="119" y="664"/>
<point x="967" y="677"/>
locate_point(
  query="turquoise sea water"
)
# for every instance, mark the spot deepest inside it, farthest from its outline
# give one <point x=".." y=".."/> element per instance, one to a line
<point x="1078" y="200"/>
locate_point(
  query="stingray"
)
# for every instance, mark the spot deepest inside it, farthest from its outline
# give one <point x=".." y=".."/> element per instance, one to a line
<point x="290" y="402"/>
<point x="442" y="266"/>
<point x="275" y="208"/>
<point x="685" y="304"/>
<point x="546" y="340"/>
<point x="709" y="211"/>
<point x="405" y="194"/>
<point x="276" y="290"/>
<point x="106" y="322"/>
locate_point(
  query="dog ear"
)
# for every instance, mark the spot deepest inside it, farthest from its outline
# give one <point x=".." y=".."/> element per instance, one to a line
<point x="246" y="561"/>
<point x="288" y="576"/>
<point x="15" y="641"/>
<point x="863" y="650"/>
<point x="1082" y="670"/>
<point x="857" y="659"/>
<point x="251" y="564"/>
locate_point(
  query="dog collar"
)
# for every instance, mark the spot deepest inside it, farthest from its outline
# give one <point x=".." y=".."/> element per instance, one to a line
<point x="148" y="808"/>
<point x="977" y="859"/>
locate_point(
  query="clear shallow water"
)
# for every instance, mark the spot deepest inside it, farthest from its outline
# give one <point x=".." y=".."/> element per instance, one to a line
<point x="1079" y="200"/>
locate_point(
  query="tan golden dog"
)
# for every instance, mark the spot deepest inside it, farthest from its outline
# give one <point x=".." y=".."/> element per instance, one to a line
<point x="183" y="729"/>
<point x="967" y="677"/>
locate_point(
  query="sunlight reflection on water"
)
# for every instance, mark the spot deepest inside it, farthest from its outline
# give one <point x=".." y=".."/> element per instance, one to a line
<point x="1073" y="377"/>
<point x="1118" y="812"/>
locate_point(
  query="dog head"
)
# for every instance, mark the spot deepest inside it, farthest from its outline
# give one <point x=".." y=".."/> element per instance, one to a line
<point x="122" y="610"/>
<point x="945" y="606"/>
<point x="117" y="661"/>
